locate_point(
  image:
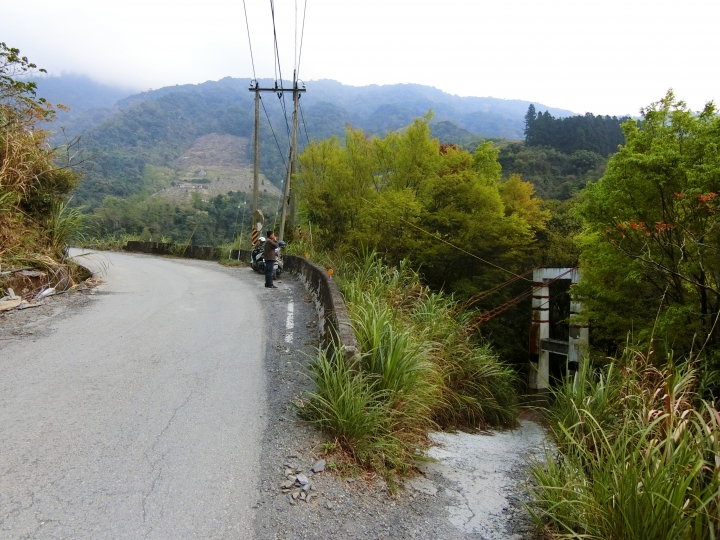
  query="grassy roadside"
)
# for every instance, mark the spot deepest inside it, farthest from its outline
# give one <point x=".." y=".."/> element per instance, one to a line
<point x="638" y="456"/>
<point x="420" y="369"/>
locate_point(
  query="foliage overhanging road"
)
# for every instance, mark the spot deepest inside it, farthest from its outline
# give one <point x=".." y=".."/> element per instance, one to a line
<point x="140" y="415"/>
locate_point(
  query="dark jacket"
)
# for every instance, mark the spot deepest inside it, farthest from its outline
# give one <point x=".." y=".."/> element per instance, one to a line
<point x="270" y="253"/>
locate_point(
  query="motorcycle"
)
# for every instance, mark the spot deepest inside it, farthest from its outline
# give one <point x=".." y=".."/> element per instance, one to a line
<point x="257" y="258"/>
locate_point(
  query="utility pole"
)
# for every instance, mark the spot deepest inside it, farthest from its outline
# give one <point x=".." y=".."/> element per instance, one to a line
<point x="256" y="165"/>
<point x="293" y="159"/>
<point x="257" y="216"/>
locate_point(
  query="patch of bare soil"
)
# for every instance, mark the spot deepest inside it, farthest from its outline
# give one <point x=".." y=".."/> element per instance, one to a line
<point x="214" y="165"/>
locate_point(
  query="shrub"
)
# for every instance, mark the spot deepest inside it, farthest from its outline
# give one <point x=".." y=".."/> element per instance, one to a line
<point x="637" y="456"/>
<point x="420" y="369"/>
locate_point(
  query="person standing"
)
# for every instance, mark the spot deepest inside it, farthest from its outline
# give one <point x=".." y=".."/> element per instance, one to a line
<point x="271" y="244"/>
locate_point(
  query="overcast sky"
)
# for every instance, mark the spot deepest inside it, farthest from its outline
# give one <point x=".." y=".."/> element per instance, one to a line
<point x="605" y="56"/>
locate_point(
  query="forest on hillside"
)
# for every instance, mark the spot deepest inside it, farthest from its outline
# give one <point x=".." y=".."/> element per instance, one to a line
<point x="119" y="138"/>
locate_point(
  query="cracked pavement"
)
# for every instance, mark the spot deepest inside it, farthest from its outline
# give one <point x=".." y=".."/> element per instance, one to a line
<point x="140" y="415"/>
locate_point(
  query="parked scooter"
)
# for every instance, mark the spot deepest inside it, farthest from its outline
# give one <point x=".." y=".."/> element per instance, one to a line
<point x="257" y="258"/>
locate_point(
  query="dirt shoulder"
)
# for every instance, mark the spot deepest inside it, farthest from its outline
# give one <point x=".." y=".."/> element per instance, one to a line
<point x="37" y="321"/>
<point x="440" y="503"/>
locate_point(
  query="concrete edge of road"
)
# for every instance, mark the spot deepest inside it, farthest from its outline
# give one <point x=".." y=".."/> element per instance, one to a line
<point x="336" y="328"/>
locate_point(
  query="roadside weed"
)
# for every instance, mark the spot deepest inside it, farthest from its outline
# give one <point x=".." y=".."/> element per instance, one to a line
<point x="418" y="370"/>
<point x="637" y="456"/>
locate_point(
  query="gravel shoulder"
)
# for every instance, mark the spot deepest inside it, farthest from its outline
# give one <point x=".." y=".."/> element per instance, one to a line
<point x="460" y="496"/>
<point x="31" y="324"/>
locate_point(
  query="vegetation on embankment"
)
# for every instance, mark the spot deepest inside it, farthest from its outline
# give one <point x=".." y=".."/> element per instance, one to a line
<point x="35" y="222"/>
<point x="421" y="367"/>
<point x="638" y="440"/>
<point x="638" y="455"/>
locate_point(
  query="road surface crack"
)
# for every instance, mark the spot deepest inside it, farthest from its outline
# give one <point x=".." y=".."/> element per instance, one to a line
<point x="155" y="465"/>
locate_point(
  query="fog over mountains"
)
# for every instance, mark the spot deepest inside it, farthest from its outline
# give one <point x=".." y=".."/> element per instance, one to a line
<point x="133" y="143"/>
<point x="327" y="105"/>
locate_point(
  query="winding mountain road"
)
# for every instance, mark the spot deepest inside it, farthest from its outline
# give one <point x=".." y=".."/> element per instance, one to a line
<point x="142" y="414"/>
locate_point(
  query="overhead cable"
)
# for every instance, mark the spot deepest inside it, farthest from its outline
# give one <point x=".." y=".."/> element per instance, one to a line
<point x="302" y="34"/>
<point x="247" y="25"/>
<point x="476" y="298"/>
<point x="273" y="132"/>
<point x="497" y="310"/>
<point x="437" y="237"/>
<point x="302" y="115"/>
<point x="279" y="70"/>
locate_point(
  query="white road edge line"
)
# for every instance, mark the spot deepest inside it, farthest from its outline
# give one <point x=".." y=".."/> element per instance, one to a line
<point x="290" y="322"/>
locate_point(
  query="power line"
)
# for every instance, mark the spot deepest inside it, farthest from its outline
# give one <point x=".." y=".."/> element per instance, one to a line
<point x="497" y="310"/>
<point x="281" y="95"/>
<point x="273" y="132"/>
<point x="252" y="59"/>
<point x="302" y="34"/>
<point x="475" y="299"/>
<point x="453" y="245"/>
<point x="302" y="115"/>
<point x="247" y="25"/>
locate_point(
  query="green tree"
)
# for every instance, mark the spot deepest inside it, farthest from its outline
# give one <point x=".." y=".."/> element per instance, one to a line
<point x="530" y="118"/>
<point x="405" y="196"/>
<point x="650" y="249"/>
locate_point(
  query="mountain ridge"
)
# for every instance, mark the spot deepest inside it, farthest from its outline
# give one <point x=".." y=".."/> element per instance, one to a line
<point x="366" y="107"/>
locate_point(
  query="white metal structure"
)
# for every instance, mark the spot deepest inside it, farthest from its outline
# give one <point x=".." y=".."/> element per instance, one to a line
<point x="540" y="343"/>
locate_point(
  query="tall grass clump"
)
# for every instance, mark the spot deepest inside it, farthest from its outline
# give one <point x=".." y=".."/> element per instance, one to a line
<point x="348" y="404"/>
<point x="64" y="225"/>
<point x="35" y="222"/>
<point x="419" y="369"/>
<point x="638" y="456"/>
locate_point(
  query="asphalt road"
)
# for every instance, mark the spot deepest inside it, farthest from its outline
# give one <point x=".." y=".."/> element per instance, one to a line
<point x="140" y="415"/>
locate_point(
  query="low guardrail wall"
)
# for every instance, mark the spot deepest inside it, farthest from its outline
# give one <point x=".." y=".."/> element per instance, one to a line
<point x="335" y="327"/>
<point x="338" y="331"/>
<point x="208" y="253"/>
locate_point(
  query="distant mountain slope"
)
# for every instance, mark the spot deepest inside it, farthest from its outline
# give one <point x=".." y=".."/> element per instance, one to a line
<point x="378" y="109"/>
<point x="80" y="92"/>
<point x="154" y="128"/>
<point x="369" y="106"/>
<point x="90" y="102"/>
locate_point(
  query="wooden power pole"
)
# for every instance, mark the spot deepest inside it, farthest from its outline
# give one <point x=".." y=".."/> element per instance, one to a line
<point x="256" y="167"/>
<point x="258" y="217"/>
<point x="287" y="197"/>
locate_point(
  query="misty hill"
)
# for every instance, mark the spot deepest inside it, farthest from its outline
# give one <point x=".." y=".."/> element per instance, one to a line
<point x="80" y="92"/>
<point x="329" y="105"/>
<point x="134" y="145"/>
<point x="90" y="102"/>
